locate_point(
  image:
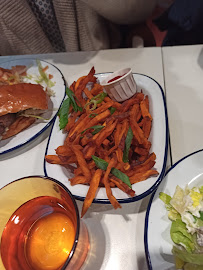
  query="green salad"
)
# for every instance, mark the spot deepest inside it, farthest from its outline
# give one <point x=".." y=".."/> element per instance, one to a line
<point x="185" y="210"/>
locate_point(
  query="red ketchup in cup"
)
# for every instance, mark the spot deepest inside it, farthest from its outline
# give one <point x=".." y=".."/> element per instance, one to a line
<point x="115" y="78"/>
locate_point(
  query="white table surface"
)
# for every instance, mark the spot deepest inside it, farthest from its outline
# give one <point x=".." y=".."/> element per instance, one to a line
<point x="117" y="236"/>
<point x="183" y="69"/>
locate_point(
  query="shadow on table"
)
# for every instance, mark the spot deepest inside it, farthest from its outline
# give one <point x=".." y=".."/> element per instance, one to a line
<point x="98" y="254"/>
<point x="70" y="58"/>
<point x="126" y="210"/>
<point x="200" y="59"/>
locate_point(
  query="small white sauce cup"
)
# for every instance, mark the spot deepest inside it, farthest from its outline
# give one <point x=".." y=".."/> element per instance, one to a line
<point x="121" y="89"/>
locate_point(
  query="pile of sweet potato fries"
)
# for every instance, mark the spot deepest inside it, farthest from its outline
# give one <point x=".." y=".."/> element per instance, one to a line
<point x="106" y="140"/>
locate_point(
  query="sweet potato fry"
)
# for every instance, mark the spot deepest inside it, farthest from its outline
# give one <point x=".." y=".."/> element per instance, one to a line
<point x="119" y="155"/>
<point x="85" y="138"/>
<point x="128" y="103"/>
<point x="138" y="177"/>
<point x="92" y="191"/>
<point x="78" y="180"/>
<point x="87" y="93"/>
<point x="90" y="151"/>
<point x="72" y="86"/>
<point x="78" y="81"/>
<point x="102" y="108"/>
<point x="83" y="82"/>
<point x="97" y="89"/>
<point x="115" y="104"/>
<point x="53" y="159"/>
<point x="144" y="106"/>
<point x="82" y="162"/>
<point x="121" y="129"/>
<point x="122" y="186"/>
<point x="141" y="151"/>
<point x="112" y="199"/>
<point x="68" y="160"/>
<point x="71" y="121"/>
<point x="105" y="132"/>
<point x="139" y="96"/>
<point x="106" y="142"/>
<point x="80" y="124"/>
<point x="137" y="131"/>
<point x="66" y="150"/>
<point x="145" y="166"/>
<point x="135" y="112"/>
<point x="146" y="127"/>
<point x="98" y="118"/>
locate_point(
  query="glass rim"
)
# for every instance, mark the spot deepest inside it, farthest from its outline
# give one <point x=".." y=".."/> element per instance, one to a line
<point x="75" y="206"/>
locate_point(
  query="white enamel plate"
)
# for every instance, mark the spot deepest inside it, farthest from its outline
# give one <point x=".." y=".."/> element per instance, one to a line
<point x="39" y="126"/>
<point x="158" y="138"/>
<point x="158" y="244"/>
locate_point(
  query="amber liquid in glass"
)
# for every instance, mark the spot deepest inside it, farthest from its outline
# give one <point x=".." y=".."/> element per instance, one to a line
<point x="39" y="235"/>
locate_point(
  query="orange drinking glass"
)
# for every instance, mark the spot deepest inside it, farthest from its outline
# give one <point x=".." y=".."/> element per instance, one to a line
<point x="40" y="228"/>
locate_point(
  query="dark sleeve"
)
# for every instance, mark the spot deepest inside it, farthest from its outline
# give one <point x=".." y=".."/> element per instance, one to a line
<point x="183" y="22"/>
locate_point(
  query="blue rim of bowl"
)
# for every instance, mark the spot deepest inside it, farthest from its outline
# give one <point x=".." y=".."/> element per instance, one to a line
<point x="147" y="255"/>
<point x="53" y="118"/>
<point x="161" y="175"/>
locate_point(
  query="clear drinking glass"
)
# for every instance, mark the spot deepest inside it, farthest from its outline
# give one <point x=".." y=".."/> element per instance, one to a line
<point x="40" y="227"/>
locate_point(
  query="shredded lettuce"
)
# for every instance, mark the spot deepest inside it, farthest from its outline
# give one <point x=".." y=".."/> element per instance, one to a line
<point x="44" y="77"/>
<point x="35" y="116"/>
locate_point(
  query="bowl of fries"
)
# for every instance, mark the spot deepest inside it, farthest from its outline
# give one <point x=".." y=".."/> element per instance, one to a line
<point x="106" y="151"/>
<point x="120" y="85"/>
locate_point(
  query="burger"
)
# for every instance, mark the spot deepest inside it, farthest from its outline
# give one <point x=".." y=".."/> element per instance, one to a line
<point x="20" y="106"/>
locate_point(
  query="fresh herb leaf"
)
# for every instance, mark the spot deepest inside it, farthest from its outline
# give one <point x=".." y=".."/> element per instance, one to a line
<point x="92" y="115"/>
<point x="102" y="164"/>
<point x="71" y="95"/>
<point x="63" y="113"/>
<point x="96" y="128"/>
<point x="112" y="110"/>
<point x="128" y="142"/>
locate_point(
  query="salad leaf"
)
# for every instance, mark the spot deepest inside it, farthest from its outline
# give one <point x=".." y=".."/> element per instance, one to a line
<point x="180" y="235"/>
<point x="102" y="164"/>
<point x="179" y="263"/>
<point x="201" y="189"/>
<point x="191" y="266"/>
<point x="193" y="258"/>
<point x="63" y="113"/>
<point x="165" y="198"/>
<point x="128" y="142"/>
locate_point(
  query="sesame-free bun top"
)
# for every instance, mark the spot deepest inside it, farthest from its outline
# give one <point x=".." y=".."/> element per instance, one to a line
<point x="22" y="96"/>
